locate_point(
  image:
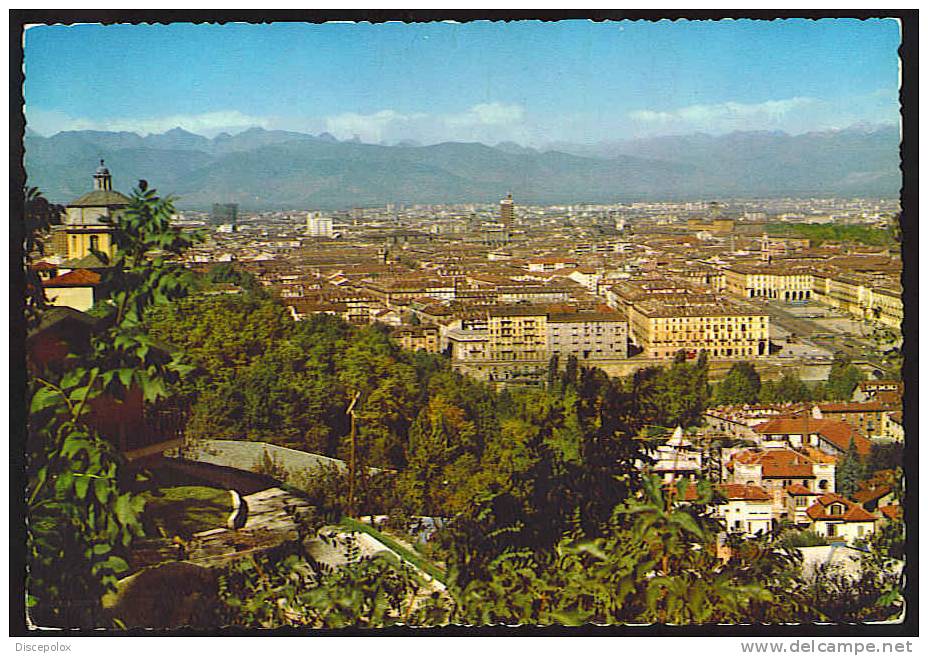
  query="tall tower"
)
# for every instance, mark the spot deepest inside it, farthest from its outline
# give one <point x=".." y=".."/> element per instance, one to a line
<point x="506" y="210"/>
<point x="224" y="213"/>
<point x="102" y="180"/>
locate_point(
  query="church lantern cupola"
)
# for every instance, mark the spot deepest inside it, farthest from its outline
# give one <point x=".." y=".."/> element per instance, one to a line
<point x="102" y="180"/>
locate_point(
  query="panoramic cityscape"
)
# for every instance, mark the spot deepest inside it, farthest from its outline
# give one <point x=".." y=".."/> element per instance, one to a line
<point x="571" y="323"/>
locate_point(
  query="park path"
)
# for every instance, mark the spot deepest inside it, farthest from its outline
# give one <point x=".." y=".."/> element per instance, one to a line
<point x="274" y="517"/>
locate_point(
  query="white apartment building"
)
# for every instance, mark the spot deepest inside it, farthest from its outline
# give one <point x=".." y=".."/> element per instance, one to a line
<point x="318" y="225"/>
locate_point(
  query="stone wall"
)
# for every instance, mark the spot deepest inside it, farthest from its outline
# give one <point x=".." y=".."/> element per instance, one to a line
<point x="286" y="464"/>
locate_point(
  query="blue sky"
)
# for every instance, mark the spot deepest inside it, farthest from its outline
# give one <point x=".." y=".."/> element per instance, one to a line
<point x="529" y="82"/>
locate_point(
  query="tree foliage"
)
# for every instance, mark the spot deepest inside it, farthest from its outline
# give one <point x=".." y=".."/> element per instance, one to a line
<point x="289" y="589"/>
<point x="81" y="507"/>
<point x="741" y="385"/>
<point x="842" y="380"/>
<point x="39" y="215"/>
<point x="788" y="388"/>
<point x="851" y="470"/>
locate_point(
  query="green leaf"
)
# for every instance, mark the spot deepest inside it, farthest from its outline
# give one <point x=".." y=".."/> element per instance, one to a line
<point x="63" y="483"/>
<point x="72" y="378"/>
<point x="687" y="522"/>
<point x="44" y="397"/>
<point x="125" y="376"/>
<point x="81" y="485"/>
<point x="101" y="490"/>
<point x="79" y="393"/>
<point x="74" y="445"/>
<point x="123" y="508"/>
<point x="116" y="564"/>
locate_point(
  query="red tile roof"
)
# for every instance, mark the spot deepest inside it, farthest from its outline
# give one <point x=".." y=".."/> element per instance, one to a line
<point x="736" y="491"/>
<point x="782" y="463"/>
<point x="835" y="432"/>
<point x="853" y="512"/>
<point x="76" y="278"/>
<point x="800" y="490"/>
<point x="731" y="491"/>
<point x="889" y="398"/>
<point x="689" y="494"/>
<point x="876" y="487"/>
<point x="891" y="512"/>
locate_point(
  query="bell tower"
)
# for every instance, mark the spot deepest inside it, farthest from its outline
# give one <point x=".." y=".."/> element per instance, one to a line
<point x="102" y="180"/>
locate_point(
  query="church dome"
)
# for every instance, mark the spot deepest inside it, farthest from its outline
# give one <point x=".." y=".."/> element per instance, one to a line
<point x="101" y="198"/>
<point x="102" y="194"/>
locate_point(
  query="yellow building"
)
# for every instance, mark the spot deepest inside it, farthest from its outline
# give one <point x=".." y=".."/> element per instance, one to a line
<point x="418" y="338"/>
<point x="661" y="327"/>
<point x="845" y="293"/>
<point x="84" y="229"/>
<point x="518" y="333"/>
<point x="876" y="299"/>
<point x="886" y="307"/>
<point x="766" y="281"/>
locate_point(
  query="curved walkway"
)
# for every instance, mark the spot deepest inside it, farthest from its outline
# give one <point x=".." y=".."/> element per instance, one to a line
<point x="274" y="517"/>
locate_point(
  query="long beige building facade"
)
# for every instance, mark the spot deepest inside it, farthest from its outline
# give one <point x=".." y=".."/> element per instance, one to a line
<point x="662" y="327"/>
<point x="772" y="282"/>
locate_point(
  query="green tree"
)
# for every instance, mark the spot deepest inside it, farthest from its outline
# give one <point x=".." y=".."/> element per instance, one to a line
<point x="788" y="388"/>
<point x="221" y="334"/>
<point x="741" y="385"/>
<point x="552" y="373"/>
<point x="842" y="379"/>
<point x="884" y="456"/>
<point x="850" y="471"/>
<point x="683" y="393"/>
<point x="871" y="596"/>
<point x="657" y="563"/>
<point x="571" y="371"/>
<point x="389" y="387"/>
<point x="438" y="439"/>
<point x="227" y="272"/>
<point x="39" y="216"/>
<point x="288" y="590"/>
<point x="82" y="510"/>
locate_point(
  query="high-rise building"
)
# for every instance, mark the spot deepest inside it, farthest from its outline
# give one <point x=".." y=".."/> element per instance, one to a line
<point x="224" y="213"/>
<point x="318" y="225"/>
<point x="506" y="211"/>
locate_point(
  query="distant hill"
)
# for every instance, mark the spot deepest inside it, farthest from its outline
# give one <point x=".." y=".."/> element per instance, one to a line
<point x="275" y="169"/>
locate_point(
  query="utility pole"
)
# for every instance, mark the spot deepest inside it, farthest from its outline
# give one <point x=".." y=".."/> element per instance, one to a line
<point x="352" y="461"/>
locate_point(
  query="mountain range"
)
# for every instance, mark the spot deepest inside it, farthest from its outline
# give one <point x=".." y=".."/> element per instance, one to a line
<point x="276" y="169"/>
